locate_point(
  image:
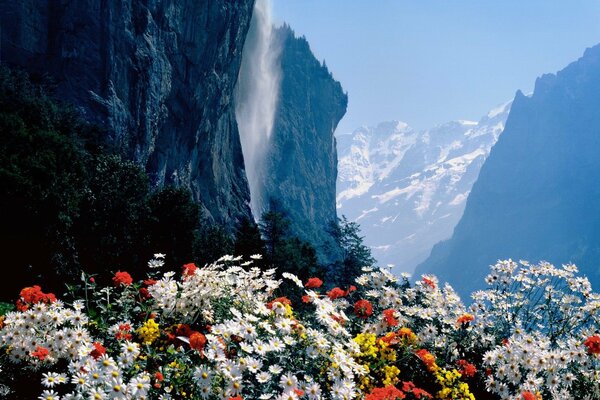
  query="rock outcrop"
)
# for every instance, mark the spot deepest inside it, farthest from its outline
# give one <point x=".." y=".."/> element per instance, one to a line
<point x="301" y="166"/>
<point x="159" y="76"/>
<point x="537" y="194"/>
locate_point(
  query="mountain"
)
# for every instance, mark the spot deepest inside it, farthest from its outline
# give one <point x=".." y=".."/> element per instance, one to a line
<point x="301" y="164"/>
<point x="159" y="76"/>
<point x="538" y="192"/>
<point x="408" y="189"/>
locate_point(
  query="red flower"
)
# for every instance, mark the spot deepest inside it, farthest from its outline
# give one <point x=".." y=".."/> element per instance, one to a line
<point x="363" y="309"/>
<point x="390" y="320"/>
<point x="122" y="278"/>
<point x="429" y="282"/>
<point x="98" y="351"/>
<point x="159" y="377"/>
<point x="410" y="387"/>
<point x="465" y="319"/>
<point x="313" y="283"/>
<point x="593" y="344"/>
<point x="197" y="341"/>
<point x="124" y="332"/>
<point x="144" y="293"/>
<point x="149" y="282"/>
<point x="527" y="395"/>
<point x="32" y="295"/>
<point x="306" y="299"/>
<point x="40" y="353"/>
<point x="387" y="393"/>
<point x="336" y="292"/>
<point x="236" y="398"/>
<point x="466" y="368"/>
<point x="189" y="270"/>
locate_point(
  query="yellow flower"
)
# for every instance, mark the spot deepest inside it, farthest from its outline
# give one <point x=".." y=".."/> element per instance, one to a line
<point x="148" y="332"/>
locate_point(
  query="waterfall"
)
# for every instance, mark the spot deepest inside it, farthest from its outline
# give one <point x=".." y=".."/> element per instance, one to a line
<point x="256" y="99"/>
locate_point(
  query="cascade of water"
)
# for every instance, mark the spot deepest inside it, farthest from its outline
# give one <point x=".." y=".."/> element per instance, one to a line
<point x="256" y="99"/>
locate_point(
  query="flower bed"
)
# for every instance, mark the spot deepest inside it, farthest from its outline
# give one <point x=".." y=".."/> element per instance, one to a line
<point x="227" y="331"/>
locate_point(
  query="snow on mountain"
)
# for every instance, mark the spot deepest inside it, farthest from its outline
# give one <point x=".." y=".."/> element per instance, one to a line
<point x="408" y="189"/>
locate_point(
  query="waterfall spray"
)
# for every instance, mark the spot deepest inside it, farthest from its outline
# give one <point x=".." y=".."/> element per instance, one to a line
<point x="256" y="99"/>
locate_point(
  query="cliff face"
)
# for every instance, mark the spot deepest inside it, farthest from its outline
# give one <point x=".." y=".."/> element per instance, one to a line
<point x="537" y="194"/>
<point x="158" y="75"/>
<point x="301" y="167"/>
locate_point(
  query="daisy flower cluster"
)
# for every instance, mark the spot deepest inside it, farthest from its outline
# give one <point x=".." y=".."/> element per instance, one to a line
<point x="547" y="321"/>
<point x="232" y="331"/>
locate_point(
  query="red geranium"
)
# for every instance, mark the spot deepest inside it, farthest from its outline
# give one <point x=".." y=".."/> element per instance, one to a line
<point x="386" y="393"/>
<point x="390" y="319"/>
<point x="122" y="278"/>
<point x="466" y="368"/>
<point x="189" y="270"/>
<point x="40" y="353"/>
<point x="593" y="344"/>
<point x="313" y="283"/>
<point x="32" y="295"/>
<point x="363" y="309"/>
<point x="429" y="282"/>
<point x="336" y="292"/>
<point x="98" y="351"/>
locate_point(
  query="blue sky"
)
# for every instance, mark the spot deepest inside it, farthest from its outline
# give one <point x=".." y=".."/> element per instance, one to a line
<point x="427" y="62"/>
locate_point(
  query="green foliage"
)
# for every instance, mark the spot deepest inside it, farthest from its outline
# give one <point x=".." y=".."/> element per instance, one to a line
<point x="248" y="240"/>
<point x="42" y="171"/>
<point x="211" y="243"/>
<point x="287" y="252"/>
<point x="172" y="224"/>
<point x="355" y="254"/>
<point x="70" y="203"/>
<point x="111" y="230"/>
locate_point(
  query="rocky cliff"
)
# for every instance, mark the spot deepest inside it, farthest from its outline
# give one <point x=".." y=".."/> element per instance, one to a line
<point x="159" y="75"/>
<point x="301" y="166"/>
<point x="537" y="194"/>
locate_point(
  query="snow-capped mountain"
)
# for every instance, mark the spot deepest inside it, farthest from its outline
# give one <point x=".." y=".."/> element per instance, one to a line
<point x="408" y="189"/>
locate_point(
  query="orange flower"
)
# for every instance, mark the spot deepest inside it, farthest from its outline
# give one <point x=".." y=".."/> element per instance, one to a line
<point x="122" y="278"/>
<point x="313" y="283"/>
<point x="197" y="341"/>
<point x="527" y="395"/>
<point x="427" y="358"/>
<point x="593" y="344"/>
<point x="363" y="309"/>
<point x="465" y="319"/>
<point x="407" y="334"/>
